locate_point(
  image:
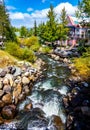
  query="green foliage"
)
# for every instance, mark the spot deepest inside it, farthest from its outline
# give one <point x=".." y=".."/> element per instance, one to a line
<point x="31" y="41"/>
<point x="47" y="31"/>
<point x="83" y="11"/>
<point x="45" y="49"/>
<point x="35" y="28"/>
<point x="28" y="55"/>
<point x="63" y="17"/>
<point x="35" y="47"/>
<point x="21" y="53"/>
<point x="6" y="30"/>
<point x="23" y="32"/>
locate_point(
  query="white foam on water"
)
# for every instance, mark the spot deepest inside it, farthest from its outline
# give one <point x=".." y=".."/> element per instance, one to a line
<point x="52" y="108"/>
<point x="63" y="90"/>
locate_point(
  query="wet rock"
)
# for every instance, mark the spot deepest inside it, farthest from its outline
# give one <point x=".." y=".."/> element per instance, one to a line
<point x="57" y="122"/>
<point x="28" y="107"/>
<point x="7" y="98"/>
<point x="8" y="112"/>
<point x="3" y="73"/>
<point x="25" y="80"/>
<point x="65" y="101"/>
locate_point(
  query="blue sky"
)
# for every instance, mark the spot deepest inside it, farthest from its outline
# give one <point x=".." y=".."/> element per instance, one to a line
<point x="25" y="12"/>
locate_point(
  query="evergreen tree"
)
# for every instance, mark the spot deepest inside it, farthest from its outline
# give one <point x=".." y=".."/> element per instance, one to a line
<point x="51" y="26"/>
<point x="35" y="28"/>
<point x="5" y="27"/>
<point x="62" y="31"/>
<point x="23" y="31"/>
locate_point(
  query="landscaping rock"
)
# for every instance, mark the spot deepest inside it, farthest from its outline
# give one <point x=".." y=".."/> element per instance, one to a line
<point x="7" y="98"/>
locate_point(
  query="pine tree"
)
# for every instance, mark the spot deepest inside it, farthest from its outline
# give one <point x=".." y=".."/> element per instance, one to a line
<point x="35" y="28"/>
<point x="51" y="25"/>
<point x="62" y="27"/>
<point x="5" y="27"/>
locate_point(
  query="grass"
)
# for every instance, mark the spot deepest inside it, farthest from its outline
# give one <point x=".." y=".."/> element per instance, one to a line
<point x="82" y="64"/>
<point x="6" y="59"/>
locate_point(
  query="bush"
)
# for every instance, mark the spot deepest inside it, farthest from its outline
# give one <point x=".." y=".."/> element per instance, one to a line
<point x="21" y="53"/>
<point x="35" y="47"/>
<point x="14" y="49"/>
<point x="31" y="41"/>
<point x="45" y="49"/>
<point x="28" y="55"/>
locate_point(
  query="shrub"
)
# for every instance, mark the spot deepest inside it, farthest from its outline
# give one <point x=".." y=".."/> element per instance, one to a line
<point x="28" y="55"/>
<point x="21" y="53"/>
<point x="35" y="47"/>
<point x="45" y="49"/>
<point x="31" y="41"/>
<point x="14" y="49"/>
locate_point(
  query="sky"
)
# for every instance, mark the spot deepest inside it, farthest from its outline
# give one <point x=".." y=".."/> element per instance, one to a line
<point x="25" y="12"/>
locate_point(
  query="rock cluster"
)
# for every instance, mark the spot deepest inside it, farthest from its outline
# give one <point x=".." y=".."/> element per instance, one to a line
<point x="15" y="84"/>
<point x="77" y="106"/>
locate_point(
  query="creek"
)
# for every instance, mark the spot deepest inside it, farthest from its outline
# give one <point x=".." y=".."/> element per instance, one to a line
<point x="46" y="98"/>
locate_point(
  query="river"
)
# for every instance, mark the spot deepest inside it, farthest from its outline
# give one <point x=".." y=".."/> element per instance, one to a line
<point x="46" y="98"/>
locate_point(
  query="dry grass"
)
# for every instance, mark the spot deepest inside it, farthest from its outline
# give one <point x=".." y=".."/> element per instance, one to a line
<point x="83" y="66"/>
<point x="6" y="59"/>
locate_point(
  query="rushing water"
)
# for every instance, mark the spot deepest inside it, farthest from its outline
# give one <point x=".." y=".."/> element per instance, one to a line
<point x="46" y="97"/>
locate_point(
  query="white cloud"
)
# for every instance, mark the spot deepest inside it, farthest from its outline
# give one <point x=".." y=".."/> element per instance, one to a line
<point x="68" y="7"/>
<point x="10" y="7"/>
<point x="27" y="19"/>
<point x="30" y="9"/>
<point x="16" y="15"/>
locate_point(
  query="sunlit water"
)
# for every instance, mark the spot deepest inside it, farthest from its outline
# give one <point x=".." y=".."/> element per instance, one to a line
<point x="47" y="93"/>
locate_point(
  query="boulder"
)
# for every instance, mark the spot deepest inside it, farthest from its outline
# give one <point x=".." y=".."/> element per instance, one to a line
<point x="8" y="112"/>
<point x="25" y="80"/>
<point x="3" y="73"/>
<point x="7" y="98"/>
<point x="5" y="81"/>
<point x="7" y="88"/>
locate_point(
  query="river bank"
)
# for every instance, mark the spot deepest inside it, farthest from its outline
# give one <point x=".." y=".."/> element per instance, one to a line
<point x="77" y="100"/>
<point x="16" y="83"/>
